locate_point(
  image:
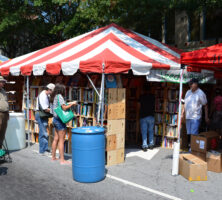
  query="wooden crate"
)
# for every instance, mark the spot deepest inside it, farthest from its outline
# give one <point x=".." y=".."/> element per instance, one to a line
<point x="111" y="142"/>
<point x="111" y="158"/>
<point x="115" y="157"/>
<point x="112" y="111"/>
<point x="116" y="126"/>
<point x="120" y="141"/>
<point x="116" y="111"/>
<point x="112" y="95"/>
<point x="121" y="111"/>
<point x="120" y="155"/>
<point x="121" y="95"/>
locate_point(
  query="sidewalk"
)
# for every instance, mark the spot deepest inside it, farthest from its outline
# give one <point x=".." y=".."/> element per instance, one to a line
<point x="32" y="176"/>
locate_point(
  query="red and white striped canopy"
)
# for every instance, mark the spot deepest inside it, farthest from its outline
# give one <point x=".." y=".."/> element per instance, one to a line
<point x="119" y="49"/>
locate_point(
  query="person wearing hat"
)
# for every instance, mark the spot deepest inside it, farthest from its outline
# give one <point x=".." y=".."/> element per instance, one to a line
<point x="195" y="99"/>
<point x="4" y="111"/>
<point x="42" y="115"/>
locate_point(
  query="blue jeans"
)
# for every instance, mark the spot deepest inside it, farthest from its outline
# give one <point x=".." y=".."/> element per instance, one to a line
<point x="147" y="124"/>
<point x="193" y="126"/>
<point x="43" y="134"/>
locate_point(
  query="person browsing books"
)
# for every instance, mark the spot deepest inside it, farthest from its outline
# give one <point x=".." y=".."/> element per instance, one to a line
<point x="42" y="115"/>
<point x="4" y="111"/>
<point x="195" y="99"/>
<point x="57" y="99"/>
<point x="147" y="111"/>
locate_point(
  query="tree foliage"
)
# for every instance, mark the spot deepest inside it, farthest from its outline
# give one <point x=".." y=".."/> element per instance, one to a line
<point x="28" y="25"/>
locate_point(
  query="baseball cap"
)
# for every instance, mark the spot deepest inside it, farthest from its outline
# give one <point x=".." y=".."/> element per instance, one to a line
<point x="2" y="79"/>
<point x="51" y="86"/>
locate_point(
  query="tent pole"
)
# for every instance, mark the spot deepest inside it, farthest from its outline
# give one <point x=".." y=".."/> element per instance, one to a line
<point x="27" y="102"/>
<point x="101" y="99"/>
<point x="94" y="87"/>
<point x="176" y="150"/>
<point x="102" y="96"/>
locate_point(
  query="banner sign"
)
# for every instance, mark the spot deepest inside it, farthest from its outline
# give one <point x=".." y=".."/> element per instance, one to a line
<point x="174" y="76"/>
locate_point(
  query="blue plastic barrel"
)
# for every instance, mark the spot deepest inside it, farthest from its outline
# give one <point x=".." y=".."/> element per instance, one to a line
<point x="88" y="154"/>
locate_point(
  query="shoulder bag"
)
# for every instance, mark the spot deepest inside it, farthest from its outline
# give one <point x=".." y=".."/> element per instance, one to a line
<point x="65" y="116"/>
<point x="42" y="113"/>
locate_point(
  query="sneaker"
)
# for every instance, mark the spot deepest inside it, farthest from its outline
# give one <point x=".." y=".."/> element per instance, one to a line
<point x="144" y="149"/>
<point x="151" y="147"/>
<point x="45" y="154"/>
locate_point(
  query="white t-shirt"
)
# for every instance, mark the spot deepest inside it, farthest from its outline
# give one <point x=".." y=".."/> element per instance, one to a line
<point x="44" y="101"/>
<point x="193" y="104"/>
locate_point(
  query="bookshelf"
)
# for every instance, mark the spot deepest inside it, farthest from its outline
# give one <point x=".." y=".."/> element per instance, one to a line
<point x="14" y="90"/>
<point x="166" y="114"/>
<point x="132" y="116"/>
<point x="85" y="111"/>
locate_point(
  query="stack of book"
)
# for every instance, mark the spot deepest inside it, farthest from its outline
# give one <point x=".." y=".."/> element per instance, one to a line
<point x="171" y="119"/>
<point x="158" y="118"/>
<point x="76" y="94"/>
<point x="171" y="131"/>
<point x="158" y="129"/>
<point x="173" y="95"/>
<point x="172" y="107"/>
<point x="159" y="105"/>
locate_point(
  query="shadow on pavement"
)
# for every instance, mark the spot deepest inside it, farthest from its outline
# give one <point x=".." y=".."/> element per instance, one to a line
<point x="3" y="171"/>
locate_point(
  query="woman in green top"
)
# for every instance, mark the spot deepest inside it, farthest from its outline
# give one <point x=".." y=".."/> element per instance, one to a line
<point x="60" y="128"/>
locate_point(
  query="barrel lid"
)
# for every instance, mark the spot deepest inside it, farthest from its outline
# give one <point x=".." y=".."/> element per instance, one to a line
<point x="16" y="114"/>
<point x="88" y="130"/>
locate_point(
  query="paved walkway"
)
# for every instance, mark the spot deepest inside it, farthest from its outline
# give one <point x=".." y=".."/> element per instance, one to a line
<point x="32" y="176"/>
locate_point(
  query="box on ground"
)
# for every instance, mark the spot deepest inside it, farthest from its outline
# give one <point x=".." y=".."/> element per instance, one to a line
<point x="202" y="156"/>
<point x="192" y="168"/>
<point x="202" y="142"/>
<point x="115" y="157"/>
<point x="214" y="161"/>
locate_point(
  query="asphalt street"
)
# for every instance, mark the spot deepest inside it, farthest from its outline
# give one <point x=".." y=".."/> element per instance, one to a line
<point x="31" y="176"/>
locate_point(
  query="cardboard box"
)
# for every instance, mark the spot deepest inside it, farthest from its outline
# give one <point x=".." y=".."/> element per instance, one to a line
<point x="112" y="110"/>
<point x="111" y="158"/>
<point x="111" y="142"/>
<point x="116" y="111"/>
<point x="192" y="168"/>
<point x="202" y="156"/>
<point x="116" y="126"/>
<point x="120" y="141"/>
<point x="120" y="155"/>
<point x="121" y="95"/>
<point x="214" y="161"/>
<point x="202" y="142"/>
<point x="121" y="111"/>
<point x="112" y="95"/>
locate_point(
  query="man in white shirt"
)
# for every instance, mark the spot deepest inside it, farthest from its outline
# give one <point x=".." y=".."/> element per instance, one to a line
<point x="195" y="99"/>
<point x="43" y="105"/>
